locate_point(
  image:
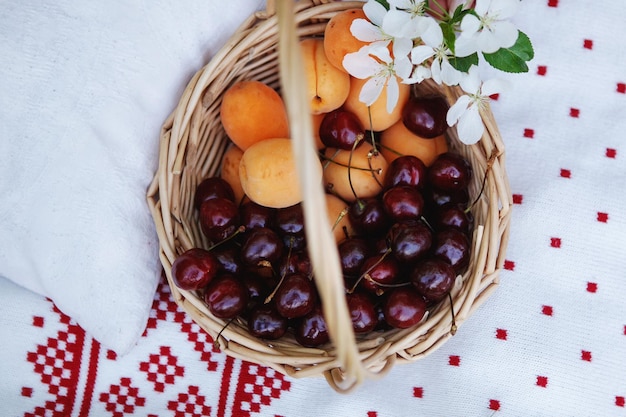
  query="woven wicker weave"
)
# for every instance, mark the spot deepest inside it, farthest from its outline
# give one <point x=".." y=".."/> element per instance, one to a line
<point x="192" y="144"/>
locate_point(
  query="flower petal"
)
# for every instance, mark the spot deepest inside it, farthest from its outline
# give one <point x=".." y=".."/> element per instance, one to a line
<point x="449" y="75"/>
<point x="375" y="12"/>
<point x="365" y="31"/>
<point x="505" y="32"/>
<point x="493" y="86"/>
<point x="487" y="41"/>
<point x="421" y="53"/>
<point x="397" y="23"/>
<point x="482" y="7"/>
<point x="431" y="32"/>
<point x="504" y="9"/>
<point x="457" y="109"/>
<point x="393" y="92"/>
<point x="360" y="64"/>
<point x="469" y="25"/>
<point x="465" y="46"/>
<point x="470" y="82"/>
<point x="470" y="126"/>
<point x="371" y="90"/>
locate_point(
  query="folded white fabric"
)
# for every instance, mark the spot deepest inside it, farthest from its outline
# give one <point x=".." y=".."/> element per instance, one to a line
<point x="84" y="89"/>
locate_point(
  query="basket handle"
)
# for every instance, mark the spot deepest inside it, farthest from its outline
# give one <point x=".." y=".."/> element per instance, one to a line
<point x="270" y="8"/>
<point x="320" y="240"/>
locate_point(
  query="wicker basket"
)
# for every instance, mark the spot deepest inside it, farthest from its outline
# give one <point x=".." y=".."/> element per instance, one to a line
<point x="191" y="148"/>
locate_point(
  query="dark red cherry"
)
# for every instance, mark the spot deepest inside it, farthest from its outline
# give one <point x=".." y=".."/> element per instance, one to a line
<point x="264" y="322"/>
<point x="261" y="246"/>
<point x="352" y="254"/>
<point x="290" y="226"/>
<point x="341" y="129"/>
<point x="410" y="241"/>
<point x="453" y="246"/>
<point x="226" y="296"/>
<point x="311" y="330"/>
<point x="255" y="215"/>
<point x="454" y="215"/>
<point x="403" y="202"/>
<point x="228" y="257"/>
<point x="257" y="287"/>
<point x="404" y="307"/>
<point x="362" y="312"/>
<point x="368" y="217"/>
<point x="212" y="187"/>
<point x="194" y="269"/>
<point x="436" y="198"/>
<point x="295" y="262"/>
<point x="406" y="170"/>
<point x="433" y="279"/>
<point x="426" y="116"/>
<point x="379" y="271"/>
<point x="219" y="218"/>
<point x="449" y="172"/>
<point x="296" y="296"/>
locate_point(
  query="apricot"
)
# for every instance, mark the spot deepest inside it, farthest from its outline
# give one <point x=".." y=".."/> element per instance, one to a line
<point x="252" y="111"/>
<point x="358" y="176"/>
<point x="316" y="122"/>
<point x="338" y="217"/>
<point x="230" y="170"/>
<point x="397" y="140"/>
<point x="327" y="86"/>
<point x="268" y="173"/>
<point x="338" y="40"/>
<point x="381" y="119"/>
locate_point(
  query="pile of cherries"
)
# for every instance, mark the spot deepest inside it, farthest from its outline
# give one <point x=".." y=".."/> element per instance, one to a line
<point x="407" y="247"/>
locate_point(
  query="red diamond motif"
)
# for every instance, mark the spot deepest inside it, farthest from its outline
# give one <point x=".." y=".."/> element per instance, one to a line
<point x="542" y="70"/>
<point x="38" y="321"/>
<point x="621" y="88"/>
<point x="592" y="287"/>
<point x="258" y="386"/>
<point x="518" y="198"/>
<point x="555" y="242"/>
<point x="190" y="404"/>
<point x="603" y="217"/>
<point x="588" y="44"/>
<point x="542" y="381"/>
<point x="122" y="398"/>
<point x="418" y="392"/>
<point x="454" y="360"/>
<point x="509" y="265"/>
<point x="585" y="355"/>
<point x="611" y="153"/>
<point x="620" y="401"/>
<point x="529" y="133"/>
<point x="501" y="334"/>
<point x="547" y="310"/>
<point x="566" y="173"/>
<point x="162" y="368"/>
<point x="574" y="112"/>
<point x="494" y="405"/>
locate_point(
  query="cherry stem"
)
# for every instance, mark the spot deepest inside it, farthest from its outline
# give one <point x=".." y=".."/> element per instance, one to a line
<point x="369" y="115"/>
<point x="282" y="278"/>
<point x="216" y="343"/>
<point x="490" y="162"/>
<point x="374" y="152"/>
<point x="332" y="161"/>
<point x="453" y="327"/>
<point x="240" y="229"/>
<point x="366" y="273"/>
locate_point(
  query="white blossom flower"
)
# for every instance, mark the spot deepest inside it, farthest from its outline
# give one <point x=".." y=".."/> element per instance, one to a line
<point x="370" y="29"/>
<point x="465" y="113"/>
<point x="433" y="47"/>
<point x="488" y="30"/>
<point x="374" y="63"/>
<point x="407" y="19"/>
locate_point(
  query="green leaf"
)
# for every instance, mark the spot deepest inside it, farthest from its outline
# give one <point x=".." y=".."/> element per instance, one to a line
<point x="385" y="3"/>
<point x="463" y="64"/>
<point x="449" y="37"/>
<point x="513" y="59"/>
<point x="460" y="13"/>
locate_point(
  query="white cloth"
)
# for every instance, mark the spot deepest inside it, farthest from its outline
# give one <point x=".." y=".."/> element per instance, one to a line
<point x="84" y="89"/>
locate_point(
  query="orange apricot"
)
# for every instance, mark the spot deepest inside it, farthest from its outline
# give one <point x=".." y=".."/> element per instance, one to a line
<point x="230" y="170"/>
<point x="327" y="86"/>
<point x="338" y="217"/>
<point x="354" y="174"/>
<point x="252" y="111"/>
<point x="397" y="140"/>
<point x="381" y="119"/>
<point x="338" y="40"/>
<point x="268" y="173"/>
